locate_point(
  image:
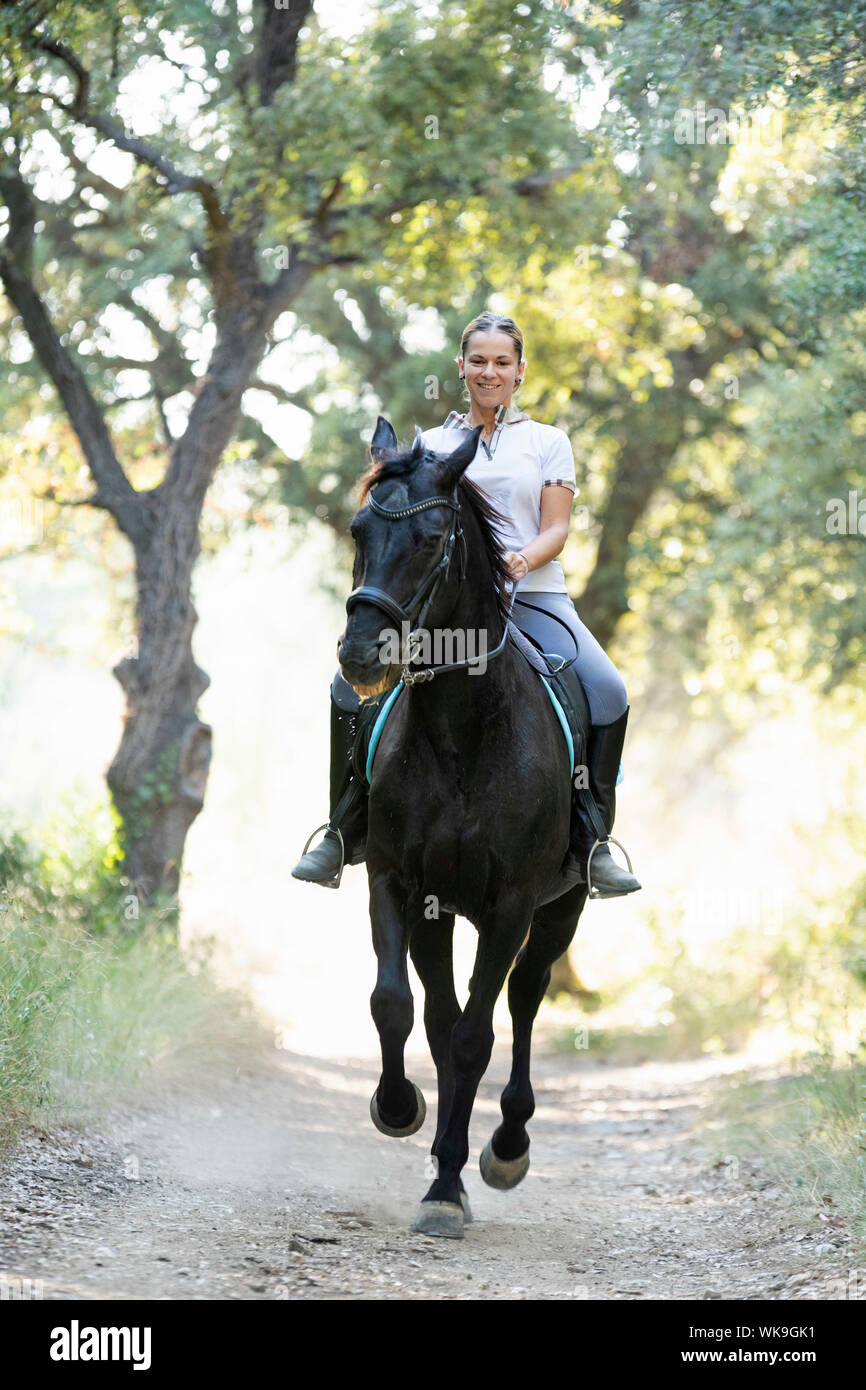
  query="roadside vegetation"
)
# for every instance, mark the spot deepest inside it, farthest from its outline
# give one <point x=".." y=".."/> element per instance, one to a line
<point x="94" y="995"/>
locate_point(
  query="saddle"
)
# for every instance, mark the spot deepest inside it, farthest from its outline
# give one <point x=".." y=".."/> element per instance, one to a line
<point x="565" y="689"/>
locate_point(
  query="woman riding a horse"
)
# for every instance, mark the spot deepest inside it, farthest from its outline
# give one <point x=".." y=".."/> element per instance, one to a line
<point x="526" y="470"/>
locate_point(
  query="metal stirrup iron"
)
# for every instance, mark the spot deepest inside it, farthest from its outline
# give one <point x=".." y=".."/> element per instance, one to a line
<point x="335" y="830"/>
<point x="594" y="892"/>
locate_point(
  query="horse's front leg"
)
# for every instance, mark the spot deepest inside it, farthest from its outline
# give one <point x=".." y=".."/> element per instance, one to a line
<point x="431" y="947"/>
<point x="505" y="1158"/>
<point x="441" y="1212"/>
<point x="397" y="1107"/>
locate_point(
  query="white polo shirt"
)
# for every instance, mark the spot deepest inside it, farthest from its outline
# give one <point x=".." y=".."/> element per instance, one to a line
<point x="522" y="458"/>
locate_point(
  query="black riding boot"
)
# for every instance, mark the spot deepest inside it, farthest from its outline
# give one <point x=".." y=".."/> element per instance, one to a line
<point x="588" y="843"/>
<point x="346" y="833"/>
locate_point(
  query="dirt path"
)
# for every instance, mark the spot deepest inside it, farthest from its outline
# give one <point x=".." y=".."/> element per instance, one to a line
<point x="270" y="1182"/>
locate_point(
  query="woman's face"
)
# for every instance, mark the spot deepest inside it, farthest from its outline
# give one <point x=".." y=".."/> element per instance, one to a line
<point x="491" y="368"/>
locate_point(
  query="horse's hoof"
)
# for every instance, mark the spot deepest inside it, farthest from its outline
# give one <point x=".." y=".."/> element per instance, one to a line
<point x="440" y="1219"/>
<point x="467" y="1210"/>
<point x="412" y="1128"/>
<point x="502" y="1173"/>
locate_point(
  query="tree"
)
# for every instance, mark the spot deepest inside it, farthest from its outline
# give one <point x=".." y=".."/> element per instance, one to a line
<point x="699" y="266"/>
<point x="158" y="253"/>
<point x="278" y="157"/>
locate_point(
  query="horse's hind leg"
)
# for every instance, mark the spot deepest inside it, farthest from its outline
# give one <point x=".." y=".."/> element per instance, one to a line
<point x="397" y="1107"/>
<point x="431" y="947"/>
<point x="505" y="1159"/>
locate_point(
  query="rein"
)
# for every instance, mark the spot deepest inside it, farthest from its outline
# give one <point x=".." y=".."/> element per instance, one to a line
<point x="426" y="591"/>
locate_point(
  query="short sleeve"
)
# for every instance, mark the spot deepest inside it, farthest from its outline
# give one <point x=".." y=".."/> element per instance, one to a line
<point x="557" y="466"/>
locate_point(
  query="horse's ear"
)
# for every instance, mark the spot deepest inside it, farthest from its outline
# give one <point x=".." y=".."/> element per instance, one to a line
<point x="383" y="437"/>
<point x="418" y="442"/>
<point x="455" y="465"/>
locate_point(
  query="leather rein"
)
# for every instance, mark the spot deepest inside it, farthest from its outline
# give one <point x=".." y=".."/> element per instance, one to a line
<point x="426" y="591"/>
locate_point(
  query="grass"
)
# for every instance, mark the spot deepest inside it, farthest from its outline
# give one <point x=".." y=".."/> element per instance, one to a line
<point x="809" y="1130"/>
<point x="797" y="986"/>
<point x="675" y="1008"/>
<point x="95" y="996"/>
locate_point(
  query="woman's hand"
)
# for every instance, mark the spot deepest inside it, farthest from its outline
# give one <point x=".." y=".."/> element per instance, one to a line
<point x="517" y="564"/>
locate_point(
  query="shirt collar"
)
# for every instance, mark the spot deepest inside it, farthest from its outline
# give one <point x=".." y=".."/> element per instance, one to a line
<point x="505" y="415"/>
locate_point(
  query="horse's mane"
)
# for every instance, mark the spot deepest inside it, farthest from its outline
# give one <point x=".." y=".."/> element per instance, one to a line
<point x="397" y="463"/>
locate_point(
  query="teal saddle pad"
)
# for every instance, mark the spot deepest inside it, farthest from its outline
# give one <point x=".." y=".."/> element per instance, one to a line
<point x="388" y="704"/>
<point x="573" y="720"/>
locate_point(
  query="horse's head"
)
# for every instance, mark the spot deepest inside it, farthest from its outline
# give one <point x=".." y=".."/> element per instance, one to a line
<point x="406" y="535"/>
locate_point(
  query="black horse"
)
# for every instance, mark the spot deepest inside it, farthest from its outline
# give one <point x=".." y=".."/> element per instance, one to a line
<point x="469" y="809"/>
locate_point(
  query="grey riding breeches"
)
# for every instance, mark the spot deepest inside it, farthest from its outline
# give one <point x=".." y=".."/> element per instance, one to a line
<point x="604" y="686"/>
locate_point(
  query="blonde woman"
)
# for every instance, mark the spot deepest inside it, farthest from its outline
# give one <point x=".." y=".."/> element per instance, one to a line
<point x="527" y="470"/>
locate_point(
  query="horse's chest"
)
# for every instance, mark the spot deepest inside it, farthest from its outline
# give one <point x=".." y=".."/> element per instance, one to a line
<point x="443" y="796"/>
<point x="436" y="773"/>
<point x="439" y="809"/>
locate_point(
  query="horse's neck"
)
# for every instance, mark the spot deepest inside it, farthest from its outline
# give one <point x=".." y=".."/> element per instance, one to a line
<point x="458" y="699"/>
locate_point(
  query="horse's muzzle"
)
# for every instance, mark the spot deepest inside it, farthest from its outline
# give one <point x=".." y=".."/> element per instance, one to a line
<point x="362" y="667"/>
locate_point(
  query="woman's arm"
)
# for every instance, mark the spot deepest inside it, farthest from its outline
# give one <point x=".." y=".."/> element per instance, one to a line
<point x="552" y="535"/>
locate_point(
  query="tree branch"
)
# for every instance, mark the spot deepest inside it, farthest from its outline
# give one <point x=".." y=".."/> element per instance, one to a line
<point x="241" y="341"/>
<point x="163" y="418"/>
<point x="533" y="185"/>
<point x="296" y="398"/>
<point x="529" y="186"/>
<point x="174" y="179"/>
<point x="113" y="487"/>
<point x="49" y="494"/>
<point x="278" y="44"/>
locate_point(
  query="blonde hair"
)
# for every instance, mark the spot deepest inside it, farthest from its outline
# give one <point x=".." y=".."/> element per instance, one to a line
<point x="488" y="322"/>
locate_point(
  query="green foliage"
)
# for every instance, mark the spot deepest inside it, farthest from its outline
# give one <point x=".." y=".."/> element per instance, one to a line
<point x="809" y="1131"/>
<point x="683" y="302"/>
<point x="94" y="1000"/>
<point x="741" y="551"/>
<point x="156" y="789"/>
<point x="115" y="251"/>
<point x="798" y="980"/>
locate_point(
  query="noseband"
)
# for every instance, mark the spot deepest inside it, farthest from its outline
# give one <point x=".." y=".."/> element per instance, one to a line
<point x="426" y="592"/>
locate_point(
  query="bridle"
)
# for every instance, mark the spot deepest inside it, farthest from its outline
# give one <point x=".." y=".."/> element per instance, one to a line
<point x="426" y="592"/>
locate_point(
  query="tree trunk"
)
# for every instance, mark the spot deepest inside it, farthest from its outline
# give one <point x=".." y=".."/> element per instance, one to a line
<point x="565" y="980"/>
<point x="604" y="599"/>
<point x="159" y="773"/>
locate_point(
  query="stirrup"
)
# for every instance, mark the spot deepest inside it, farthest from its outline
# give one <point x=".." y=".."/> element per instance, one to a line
<point x="592" y="891"/>
<point x="335" y="830"/>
